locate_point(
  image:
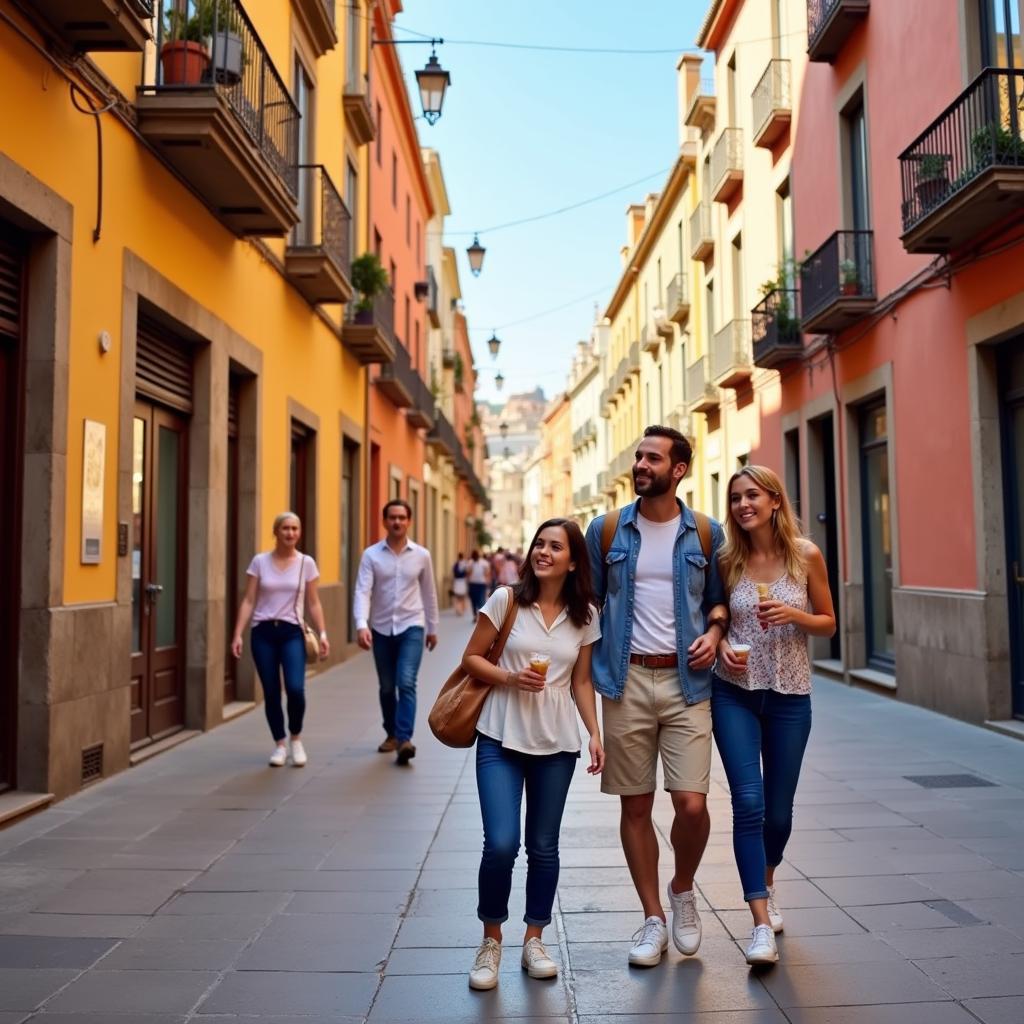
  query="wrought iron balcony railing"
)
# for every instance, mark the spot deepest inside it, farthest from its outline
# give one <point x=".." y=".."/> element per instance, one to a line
<point x="959" y="174"/>
<point x="772" y="104"/>
<point x="829" y="24"/>
<point x="776" y="329"/>
<point x="402" y="383"/>
<point x="727" y="165"/>
<point x="369" y="330"/>
<point x="318" y="260"/>
<point x="837" y="282"/>
<point x="90" y="25"/>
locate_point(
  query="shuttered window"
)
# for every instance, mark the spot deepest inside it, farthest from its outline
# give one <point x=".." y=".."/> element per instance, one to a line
<point x="12" y="260"/>
<point x="163" y="365"/>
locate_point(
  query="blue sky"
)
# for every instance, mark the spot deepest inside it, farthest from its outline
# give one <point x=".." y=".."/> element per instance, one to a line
<point x="524" y="132"/>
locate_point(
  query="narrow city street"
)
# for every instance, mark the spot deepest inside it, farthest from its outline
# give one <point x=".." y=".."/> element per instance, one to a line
<point x="206" y="886"/>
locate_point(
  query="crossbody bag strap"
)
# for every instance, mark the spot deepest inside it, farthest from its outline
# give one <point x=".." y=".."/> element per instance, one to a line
<point x="704" y="533"/>
<point x="608" y="528"/>
<point x="300" y="608"/>
<point x="506" y="627"/>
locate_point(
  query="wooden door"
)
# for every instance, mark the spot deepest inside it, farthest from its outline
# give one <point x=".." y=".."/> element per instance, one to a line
<point x="159" y="569"/>
<point x="1011" y="377"/>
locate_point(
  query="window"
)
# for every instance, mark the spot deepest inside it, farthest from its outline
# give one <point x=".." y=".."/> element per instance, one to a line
<point x="352" y="201"/>
<point x="408" y="219"/>
<point x="856" y="160"/>
<point x="791" y="462"/>
<point x="377" y="243"/>
<point x="1001" y="44"/>
<point x="394" y="486"/>
<point x="731" y="86"/>
<point x="876" y="523"/>
<point x="302" y="482"/>
<point x="349" y="521"/>
<point x="394" y="179"/>
<point x="419" y="248"/>
<point x="303" y="89"/>
<point x="355" y="32"/>
<point x="715" y="495"/>
<point x="709" y="308"/>
<point x="784" y="231"/>
<point x="418" y="357"/>
<point x="780" y="29"/>
<point x="739" y="309"/>
<point x="380" y="133"/>
<point x="408" y="334"/>
<point x="393" y="278"/>
<point x="415" y="527"/>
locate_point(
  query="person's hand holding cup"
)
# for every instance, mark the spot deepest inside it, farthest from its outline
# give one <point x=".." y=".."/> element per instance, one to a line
<point x="741" y="652"/>
<point x="764" y="593"/>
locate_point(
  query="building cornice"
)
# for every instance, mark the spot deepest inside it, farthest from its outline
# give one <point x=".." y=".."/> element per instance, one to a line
<point x="717" y="22"/>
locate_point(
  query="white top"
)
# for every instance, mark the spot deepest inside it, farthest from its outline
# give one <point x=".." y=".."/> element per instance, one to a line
<point x="395" y="592"/>
<point x="279" y="588"/>
<point x="778" y="658"/>
<point x="477" y="571"/>
<point x="545" y="722"/>
<point x="654" y="615"/>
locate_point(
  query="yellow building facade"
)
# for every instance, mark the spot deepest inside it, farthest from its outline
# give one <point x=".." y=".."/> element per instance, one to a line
<point x="180" y="203"/>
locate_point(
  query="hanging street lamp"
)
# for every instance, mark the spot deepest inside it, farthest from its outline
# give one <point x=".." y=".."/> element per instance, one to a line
<point x="498" y="380"/>
<point x="503" y="429"/>
<point x="433" y="80"/>
<point x="475" y="252"/>
<point x="493" y="344"/>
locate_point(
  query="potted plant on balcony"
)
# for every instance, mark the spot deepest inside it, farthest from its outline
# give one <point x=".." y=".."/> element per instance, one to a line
<point x="184" y="58"/>
<point x="849" y="277"/>
<point x="931" y="179"/>
<point x="369" y="278"/>
<point x="459" y="368"/>
<point x="221" y="29"/>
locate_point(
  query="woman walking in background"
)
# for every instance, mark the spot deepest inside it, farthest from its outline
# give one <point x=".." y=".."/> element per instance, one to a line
<point x="479" y="576"/>
<point x="460" y="584"/>
<point x="527" y="734"/>
<point x="281" y="583"/>
<point x="761" y="691"/>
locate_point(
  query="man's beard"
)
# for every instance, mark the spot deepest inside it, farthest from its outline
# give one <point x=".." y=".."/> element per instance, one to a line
<point x="652" y="486"/>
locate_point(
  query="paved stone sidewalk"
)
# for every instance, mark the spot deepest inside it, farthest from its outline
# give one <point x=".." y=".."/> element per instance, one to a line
<point x="205" y="886"/>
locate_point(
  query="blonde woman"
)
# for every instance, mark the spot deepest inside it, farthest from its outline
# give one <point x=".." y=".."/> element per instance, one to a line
<point x="281" y="582"/>
<point x="761" y="692"/>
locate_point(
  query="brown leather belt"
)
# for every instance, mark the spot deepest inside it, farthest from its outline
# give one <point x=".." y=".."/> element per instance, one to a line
<point x="654" y="660"/>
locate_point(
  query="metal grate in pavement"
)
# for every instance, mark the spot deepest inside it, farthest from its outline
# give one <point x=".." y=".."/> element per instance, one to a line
<point x="949" y="781"/>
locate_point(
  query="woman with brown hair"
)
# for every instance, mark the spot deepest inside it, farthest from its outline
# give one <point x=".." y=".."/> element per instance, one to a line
<point x="528" y="737"/>
<point x="761" y="691"/>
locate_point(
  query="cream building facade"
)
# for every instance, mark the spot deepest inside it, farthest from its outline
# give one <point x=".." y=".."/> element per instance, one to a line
<point x="589" y="427"/>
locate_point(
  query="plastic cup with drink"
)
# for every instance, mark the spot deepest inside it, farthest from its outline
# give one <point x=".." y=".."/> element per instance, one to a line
<point x="764" y="593"/>
<point x="539" y="663"/>
<point x="741" y="652"/>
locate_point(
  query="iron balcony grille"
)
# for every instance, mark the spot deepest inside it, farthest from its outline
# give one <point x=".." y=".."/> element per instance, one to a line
<point x="325" y="221"/>
<point x="983" y="128"/>
<point x="821" y="14"/>
<point x="843" y="266"/>
<point x="211" y="44"/>
<point x="726" y="157"/>
<point x="380" y="313"/>
<point x="776" y="328"/>
<point x="142" y="8"/>
<point x="431" y="292"/>
<point x="772" y="94"/>
<point x="400" y="369"/>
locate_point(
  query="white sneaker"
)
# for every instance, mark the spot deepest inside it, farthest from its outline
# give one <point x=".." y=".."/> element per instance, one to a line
<point x="762" y="948"/>
<point x="279" y="756"/>
<point x="774" y="914"/>
<point x="484" y="972"/>
<point x="298" y="754"/>
<point x="649" y="942"/>
<point x="536" y="961"/>
<point x="686" y="928"/>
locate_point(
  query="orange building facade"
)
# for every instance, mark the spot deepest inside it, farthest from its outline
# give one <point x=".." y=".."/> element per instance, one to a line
<point x="901" y="424"/>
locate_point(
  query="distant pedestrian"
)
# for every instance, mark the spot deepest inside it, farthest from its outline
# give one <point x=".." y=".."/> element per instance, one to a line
<point x="395" y="608"/>
<point x="662" y="617"/>
<point x="479" y="576"/>
<point x="528" y="737"/>
<point x="497" y="569"/>
<point x="281" y="585"/>
<point x="508" y="574"/>
<point x="761" y="696"/>
<point x="460" y="584"/>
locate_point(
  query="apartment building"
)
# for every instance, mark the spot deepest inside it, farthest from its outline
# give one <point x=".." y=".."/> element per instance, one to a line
<point x="589" y="428"/>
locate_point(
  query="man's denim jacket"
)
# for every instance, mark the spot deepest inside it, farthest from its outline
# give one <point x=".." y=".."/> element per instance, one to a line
<point x="696" y="593"/>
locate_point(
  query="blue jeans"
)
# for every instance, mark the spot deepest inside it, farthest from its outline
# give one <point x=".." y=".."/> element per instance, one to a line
<point x="279" y="647"/>
<point x="501" y="775"/>
<point x="755" y="727"/>
<point x="398" y="658"/>
<point x="477" y="596"/>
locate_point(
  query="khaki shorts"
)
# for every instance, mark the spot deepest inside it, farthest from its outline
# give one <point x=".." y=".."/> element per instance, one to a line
<point x="653" y="718"/>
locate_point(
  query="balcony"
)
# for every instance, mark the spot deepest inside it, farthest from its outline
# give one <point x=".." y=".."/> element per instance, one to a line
<point x="829" y="25"/>
<point x="406" y="389"/>
<point x="633" y="359"/>
<point x="731" y="357"/>
<point x="318" y="18"/>
<point x="776" y="330"/>
<point x="87" y="25"/>
<point x="677" y="300"/>
<point x="619" y="381"/>
<point x="584" y="434"/>
<point x="650" y="338"/>
<point x="727" y="165"/>
<point x="773" y="105"/>
<point x="433" y="309"/>
<point x="220" y="115"/>
<point x="703" y="395"/>
<point x="370" y="333"/>
<point x="623" y="463"/>
<point x="702" y="239"/>
<point x="318" y="258"/>
<point x="965" y="172"/>
<point x="837" y="283"/>
<point x="701" y="112"/>
<point x="607" y="397"/>
<point x="442" y="437"/>
<point x="358" y="113"/>
<point x="682" y="421"/>
<point x="605" y="482"/>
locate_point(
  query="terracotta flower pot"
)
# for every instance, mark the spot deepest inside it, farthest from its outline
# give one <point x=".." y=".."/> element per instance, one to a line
<point x="183" y="62"/>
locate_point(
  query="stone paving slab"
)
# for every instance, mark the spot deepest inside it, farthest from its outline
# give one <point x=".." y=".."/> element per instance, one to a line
<point x="205" y="886"/>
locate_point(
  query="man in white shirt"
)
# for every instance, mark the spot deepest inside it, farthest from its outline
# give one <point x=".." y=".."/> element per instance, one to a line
<point x="395" y="604"/>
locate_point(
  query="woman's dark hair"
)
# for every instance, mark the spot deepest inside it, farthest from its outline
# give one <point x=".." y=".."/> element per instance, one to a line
<point x="578" y="589"/>
<point x="476" y="555"/>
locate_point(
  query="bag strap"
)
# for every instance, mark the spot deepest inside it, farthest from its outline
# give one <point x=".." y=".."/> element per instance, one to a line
<point x="506" y="627"/>
<point x="704" y="533"/>
<point x="300" y="605"/>
<point x="608" y="528"/>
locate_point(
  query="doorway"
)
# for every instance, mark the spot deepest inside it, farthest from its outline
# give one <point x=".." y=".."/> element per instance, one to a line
<point x="1011" y="377"/>
<point x="13" y="252"/>
<point x="231" y="581"/>
<point x="822" y="515"/>
<point x="159" y="569"/>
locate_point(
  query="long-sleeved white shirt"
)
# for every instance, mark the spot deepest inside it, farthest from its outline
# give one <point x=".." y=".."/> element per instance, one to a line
<point x="395" y="591"/>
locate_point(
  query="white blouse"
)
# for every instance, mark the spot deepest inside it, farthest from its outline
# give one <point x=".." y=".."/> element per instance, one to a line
<point x="544" y="722"/>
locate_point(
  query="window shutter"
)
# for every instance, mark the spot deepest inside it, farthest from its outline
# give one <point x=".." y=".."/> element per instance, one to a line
<point x="163" y="365"/>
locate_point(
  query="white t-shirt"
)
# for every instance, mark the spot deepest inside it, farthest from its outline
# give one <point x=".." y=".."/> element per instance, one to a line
<point x="545" y="722"/>
<point x="654" y="616"/>
<point x="278" y="589"/>
<point x="478" y="571"/>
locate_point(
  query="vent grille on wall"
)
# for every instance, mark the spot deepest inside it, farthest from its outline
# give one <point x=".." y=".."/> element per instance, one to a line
<point x="92" y="763"/>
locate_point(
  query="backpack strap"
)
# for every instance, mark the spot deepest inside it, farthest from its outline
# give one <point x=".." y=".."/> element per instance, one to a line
<point x="704" y="533"/>
<point x="608" y="528"/>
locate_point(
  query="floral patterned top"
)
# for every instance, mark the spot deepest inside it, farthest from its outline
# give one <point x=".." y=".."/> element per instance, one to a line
<point x="778" y="655"/>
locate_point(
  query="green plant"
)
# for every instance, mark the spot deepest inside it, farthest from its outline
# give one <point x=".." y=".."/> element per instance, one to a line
<point x="993" y="143"/>
<point x="369" y="278"/>
<point x="848" y="271"/>
<point x="931" y="166"/>
<point x="196" y="21"/>
<point x="460" y="370"/>
<point x="483" y="538"/>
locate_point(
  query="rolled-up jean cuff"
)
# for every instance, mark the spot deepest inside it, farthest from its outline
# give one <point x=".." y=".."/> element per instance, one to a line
<point x="533" y="922"/>
<point x="492" y="920"/>
<point x="761" y="895"/>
